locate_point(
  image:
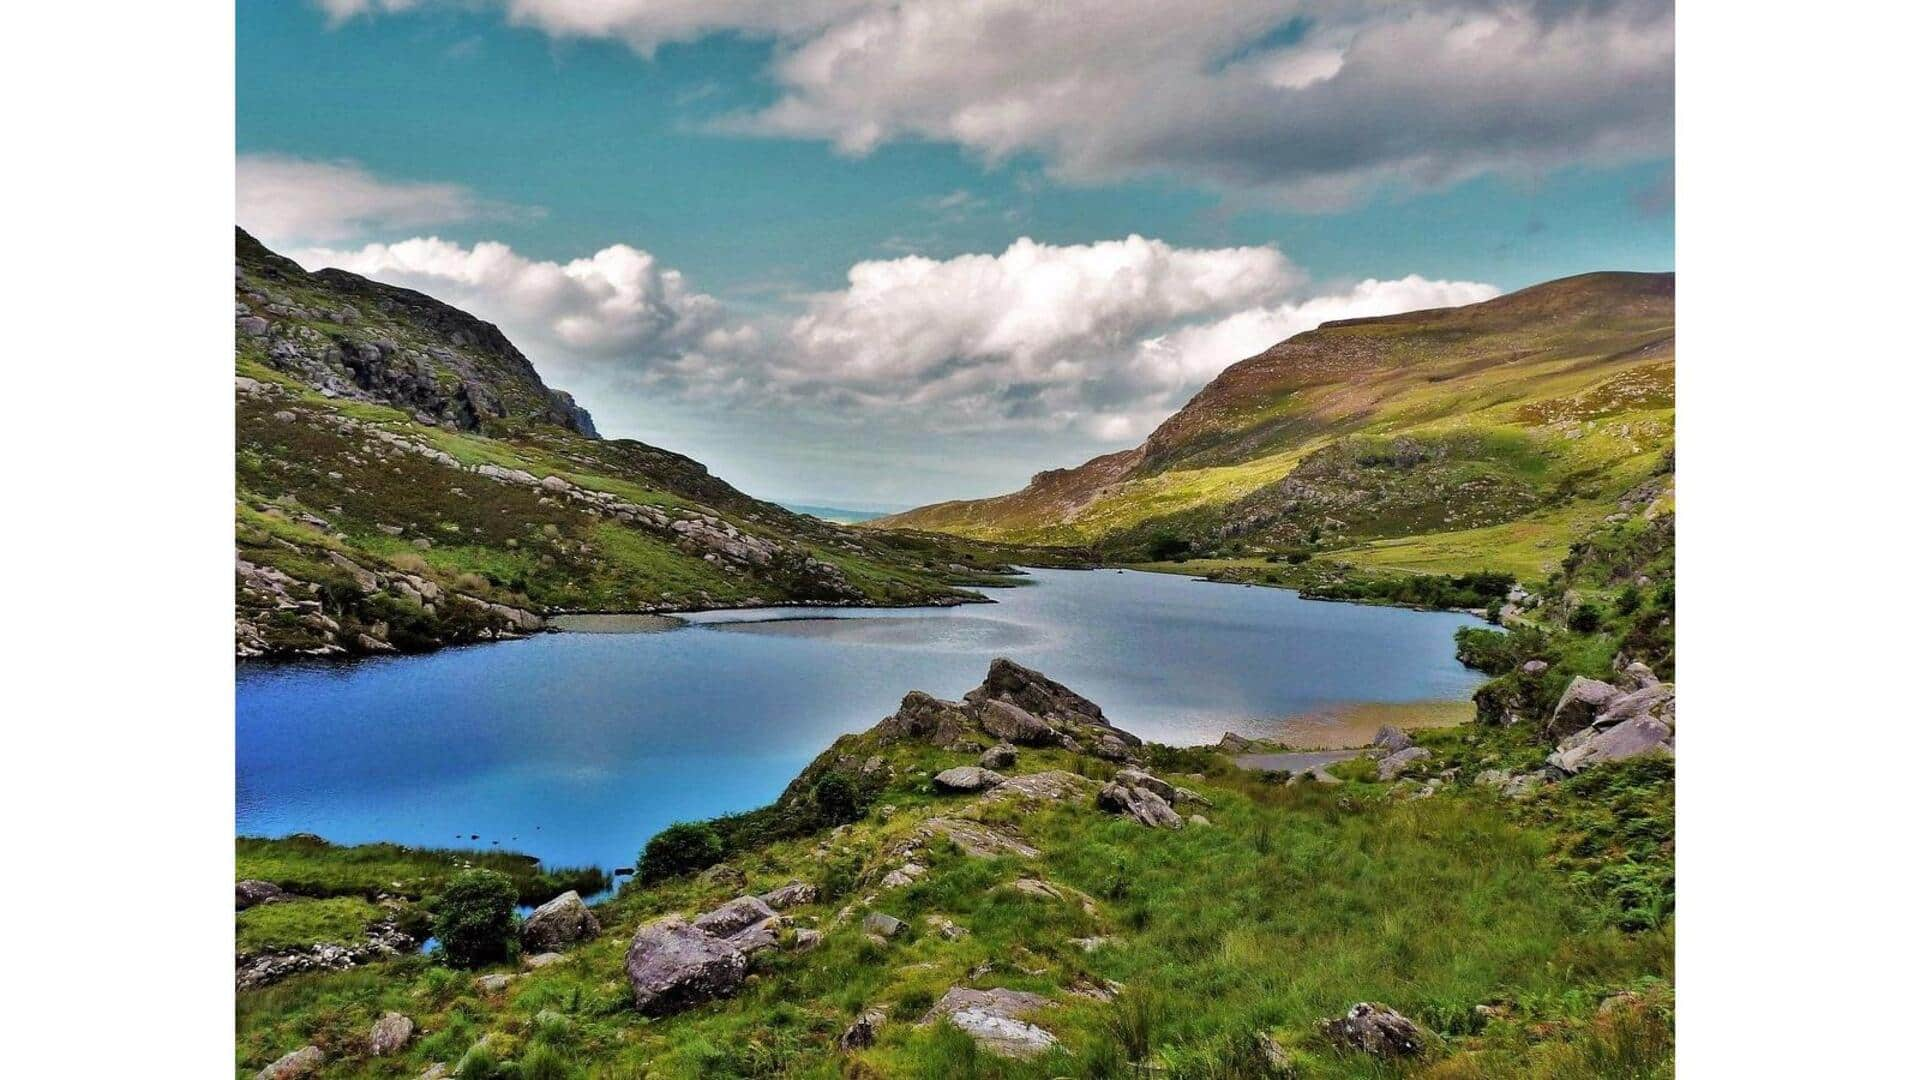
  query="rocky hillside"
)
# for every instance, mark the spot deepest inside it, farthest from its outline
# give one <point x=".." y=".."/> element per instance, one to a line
<point x="404" y="479"/>
<point x="1010" y="885"/>
<point x="1480" y="437"/>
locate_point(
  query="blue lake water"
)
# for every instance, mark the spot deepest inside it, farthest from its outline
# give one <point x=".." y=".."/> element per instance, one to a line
<point x="577" y="747"/>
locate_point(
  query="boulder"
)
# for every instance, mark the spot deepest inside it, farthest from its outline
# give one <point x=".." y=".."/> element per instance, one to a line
<point x="1375" y="1030"/>
<point x="539" y="960"/>
<point x="1002" y="756"/>
<point x="1036" y="694"/>
<point x="1054" y="785"/>
<point x="720" y="875"/>
<point x="248" y="893"/>
<point x="493" y="984"/>
<point x="995" y="1019"/>
<point x="734" y="916"/>
<point x="558" y="923"/>
<point x="1655" y="701"/>
<point x="1391" y="766"/>
<point x="1138" y="803"/>
<point x="885" y="926"/>
<point x="1534" y="667"/>
<point x="302" y="1062"/>
<point x="806" y="939"/>
<point x="968" y="778"/>
<point x="390" y="1035"/>
<point x="1638" y="737"/>
<point x="792" y="894"/>
<point x="1140" y="779"/>
<point x="672" y="965"/>
<point x="976" y="838"/>
<point x="923" y="716"/>
<point x="1391" y="739"/>
<point x="1004" y="720"/>
<point x="1583" y="700"/>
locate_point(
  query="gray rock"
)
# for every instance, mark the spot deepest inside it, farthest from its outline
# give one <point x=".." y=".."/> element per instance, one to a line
<point x="806" y="939"/>
<point x="558" y="923"/>
<point x="1655" y="701"/>
<point x="1391" y="739"/>
<point x="248" y="893"/>
<point x="251" y="325"/>
<point x="1583" y="700"/>
<point x="1375" y="1030"/>
<point x="1002" y="756"/>
<point x="968" y="778"/>
<point x="1236" y="744"/>
<point x="1054" y="785"/>
<point x="493" y="984"/>
<point x="539" y="960"/>
<point x="792" y="894"/>
<point x="734" y="916"/>
<point x="390" y="1035"/>
<point x="923" y="716"/>
<point x="1138" y="803"/>
<point x="1140" y="779"/>
<point x="722" y="875"/>
<point x="996" y="1020"/>
<point x="1391" y="766"/>
<point x="672" y="966"/>
<point x="302" y="1062"/>
<point x="1005" y="720"/>
<point x="884" y="925"/>
<point x="977" y="839"/>
<point x="1639" y="737"/>
<point x="1533" y="667"/>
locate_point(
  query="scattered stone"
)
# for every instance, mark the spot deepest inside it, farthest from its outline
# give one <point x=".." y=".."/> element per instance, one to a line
<point x="792" y="894"/>
<point x="968" y="778"/>
<point x="806" y="939"/>
<point x="390" y="1035"/>
<point x="902" y="876"/>
<point x="1037" y="889"/>
<point x="1533" y="667"/>
<point x="946" y="928"/>
<point x="1391" y="766"/>
<point x="1087" y="944"/>
<point x="977" y="839"/>
<point x="861" y="1033"/>
<point x="1054" y="785"/>
<point x="672" y="965"/>
<point x="1279" y="1060"/>
<point x="734" y="916"/>
<point x="558" y="923"/>
<point x="1638" y="737"/>
<point x="1139" y="803"/>
<point x="248" y="893"/>
<point x="302" y="1062"/>
<point x="1140" y="779"/>
<point x="1198" y="820"/>
<point x="1376" y="1030"/>
<point x="1001" y="756"/>
<point x="886" y="926"/>
<point x="1391" y="739"/>
<point x="995" y="1019"/>
<point x="493" y="984"/>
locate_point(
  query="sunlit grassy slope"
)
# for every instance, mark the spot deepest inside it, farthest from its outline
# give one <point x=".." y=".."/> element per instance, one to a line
<point x="1482" y="437"/>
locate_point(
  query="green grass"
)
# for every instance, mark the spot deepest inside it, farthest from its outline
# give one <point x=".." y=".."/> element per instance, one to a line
<point x="313" y="867"/>
<point x="339" y="920"/>
<point x="1294" y="904"/>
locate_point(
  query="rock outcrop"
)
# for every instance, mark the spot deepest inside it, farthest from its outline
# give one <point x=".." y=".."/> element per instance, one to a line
<point x="558" y="923"/>
<point x="1015" y="706"/>
<point x="1137" y="795"/>
<point x="1597" y="722"/>
<point x="302" y="1062"/>
<point x="248" y="893"/>
<point x="390" y="1035"/>
<point x="1376" y="1030"/>
<point x="996" y="1020"/>
<point x="672" y="965"/>
<point x="968" y="779"/>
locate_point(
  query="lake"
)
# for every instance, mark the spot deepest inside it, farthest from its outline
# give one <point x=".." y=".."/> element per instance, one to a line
<point x="577" y="747"/>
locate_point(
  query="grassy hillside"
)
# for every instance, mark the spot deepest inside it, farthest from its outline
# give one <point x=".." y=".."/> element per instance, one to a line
<point x="1482" y="437"/>
<point x="403" y="479"/>
<point x="1525" y="937"/>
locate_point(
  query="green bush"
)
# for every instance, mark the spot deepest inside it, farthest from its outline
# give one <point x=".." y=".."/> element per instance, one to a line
<point x="838" y="799"/>
<point x="1585" y="618"/>
<point x="474" y="918"/>
<point x="681" y="848"/>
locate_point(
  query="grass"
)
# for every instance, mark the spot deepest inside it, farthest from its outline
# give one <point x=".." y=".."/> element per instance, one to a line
<point x="310" y="866"/>
<point x="1295" y="903"/>
<point x="339" y="920"/>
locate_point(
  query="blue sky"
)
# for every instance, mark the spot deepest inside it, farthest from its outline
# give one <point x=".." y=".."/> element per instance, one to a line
<point x="752" y="179"/>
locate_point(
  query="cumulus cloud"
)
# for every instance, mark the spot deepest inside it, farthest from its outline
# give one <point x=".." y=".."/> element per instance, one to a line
<point x="288" y="200"/>
<point x="1092" y="342"/>
<point x="1311" y="103"/>
<point x="617" y="307"/>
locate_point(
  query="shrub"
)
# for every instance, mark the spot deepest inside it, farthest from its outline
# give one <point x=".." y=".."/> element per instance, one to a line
<point x="680" y="848"/>
<point x="1585" y="618"/>
<point x="474" y="918"/>
<point x="837" y="799"/>
<point x="1628" y="601"/>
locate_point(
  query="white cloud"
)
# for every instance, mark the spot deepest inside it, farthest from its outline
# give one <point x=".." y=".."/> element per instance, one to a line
<point x="288" y="200"/>
<point x="618" y="305"/>
<point x="1103" y="340"/>
<point x="1312" y="103"/>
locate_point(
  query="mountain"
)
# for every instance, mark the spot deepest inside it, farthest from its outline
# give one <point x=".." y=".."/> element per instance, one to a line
<point x="404" y="479"/>
<point x="1486" y="436"/>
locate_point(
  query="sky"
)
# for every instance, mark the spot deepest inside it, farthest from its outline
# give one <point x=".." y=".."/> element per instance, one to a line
<point x="876" y="254"/>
